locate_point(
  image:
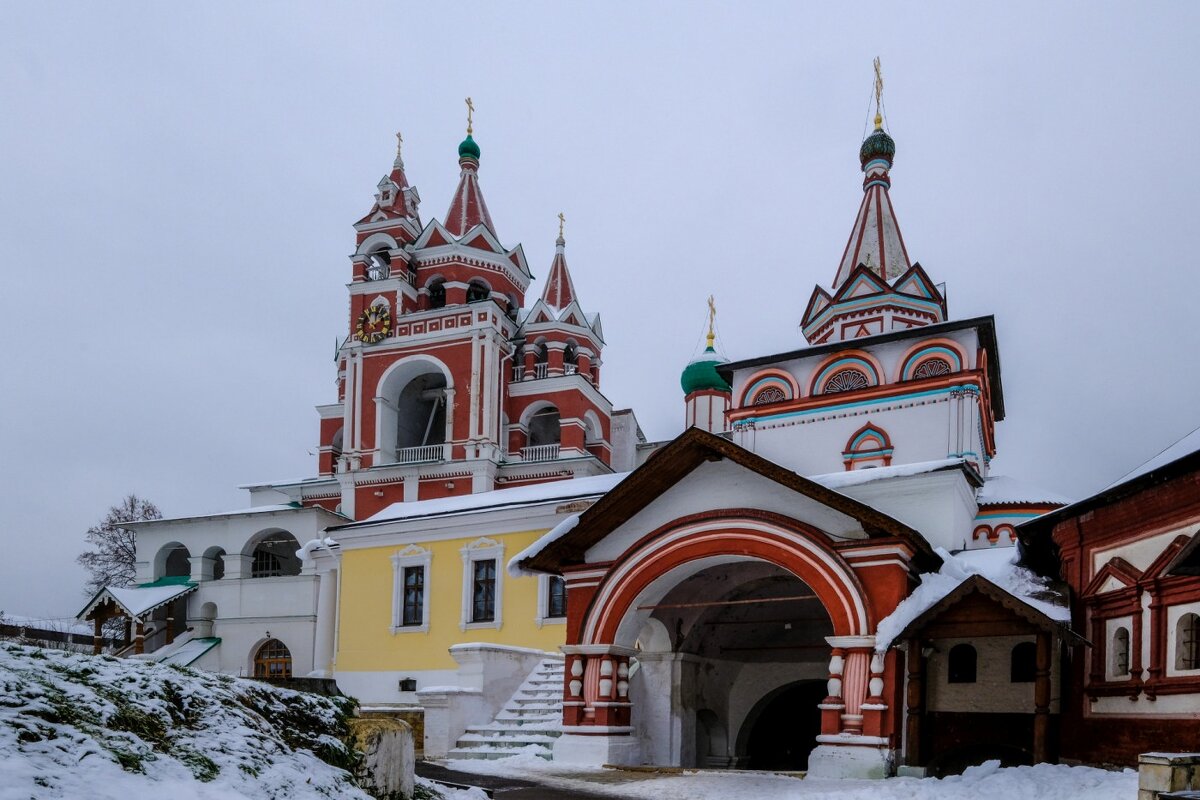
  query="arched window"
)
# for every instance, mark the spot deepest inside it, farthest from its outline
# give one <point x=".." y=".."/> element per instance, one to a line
<point x="544" y="428"/>
<point x="178" y="565"/>
<point x="846" y="380"/>
<point x="1187" y="642"/>
<point x="570" y="360"/>
<point x="437" y="295"/>
<point x="477" y="292"/>
<point x="1120" y="653"/>
<point x="1022" y="666"/>
<point x="273" y="661"/>
<point x="962" y="664"/>
<point x="931" y="368"/>
<point x="275" y="556"/>
<point x="379" y="265"/>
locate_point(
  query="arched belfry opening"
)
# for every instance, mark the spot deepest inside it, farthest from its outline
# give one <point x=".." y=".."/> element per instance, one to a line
<point x="722" y="643"/>
<point x="412" y="403"/>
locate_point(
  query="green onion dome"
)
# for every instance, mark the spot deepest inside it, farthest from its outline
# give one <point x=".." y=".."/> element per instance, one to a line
<point x="877" y="145"/>
<point x="702" y="374"/>
<point x="468" y="148"/>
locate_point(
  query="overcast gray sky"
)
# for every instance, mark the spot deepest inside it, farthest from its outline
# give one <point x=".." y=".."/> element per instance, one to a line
<point x="177" y="186"/>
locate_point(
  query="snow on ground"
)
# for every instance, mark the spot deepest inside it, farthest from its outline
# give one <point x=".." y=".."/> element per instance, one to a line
<point x="989" y="780"/>
<point x="97" y="727"/>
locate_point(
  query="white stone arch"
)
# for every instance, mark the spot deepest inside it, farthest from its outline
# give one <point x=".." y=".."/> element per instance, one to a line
<point x="377" y="241"/>
<point x="380" y="300"/>
<point x="164" y="554"/>
<point x="535" y="407"/>
<point x="593" y="430"/>
<point x="258" y="645"/>
<point x="213" y="564"/>
<point x="391" y="383"/>
<point x="286" y="552"/>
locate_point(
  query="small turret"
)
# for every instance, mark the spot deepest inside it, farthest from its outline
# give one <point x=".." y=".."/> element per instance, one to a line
<point x="707" y="395"/>
<point x="467" y="208"/>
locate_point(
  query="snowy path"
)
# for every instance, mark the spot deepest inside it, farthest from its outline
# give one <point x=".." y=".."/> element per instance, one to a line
<point x="1042" y="782"/>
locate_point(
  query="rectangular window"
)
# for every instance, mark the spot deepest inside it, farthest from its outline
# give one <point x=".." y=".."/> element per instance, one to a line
<point x="556" y="597"/>
<point x="483" y="591"/>
<point x="414" y="596"/>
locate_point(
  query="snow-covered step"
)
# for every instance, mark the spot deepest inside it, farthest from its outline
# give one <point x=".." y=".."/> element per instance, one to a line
<point x="529" y="722"/>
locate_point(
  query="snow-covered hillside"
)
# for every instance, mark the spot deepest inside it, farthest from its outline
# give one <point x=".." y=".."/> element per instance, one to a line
<point x="76" y="726"/>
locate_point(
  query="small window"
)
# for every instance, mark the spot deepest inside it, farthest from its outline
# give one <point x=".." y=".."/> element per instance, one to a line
<point x="962" y="663"/>
<point x="273" y="661"/>
<point x="1187" y="642"/>
<point x="437" y="295"/>
<point x="556" y="597"/>
<point x="1023" y="665"/>
<point x="483" y="591"/>
<point x="414" y="596"/>
<point x="1120" y="653"/>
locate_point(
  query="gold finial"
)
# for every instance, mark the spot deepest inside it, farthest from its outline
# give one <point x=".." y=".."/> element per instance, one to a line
<point x="712" y="316"/>
<point x="470" y="112"/>
<point x="878" y="95"/>
<point x="399" y="144"/>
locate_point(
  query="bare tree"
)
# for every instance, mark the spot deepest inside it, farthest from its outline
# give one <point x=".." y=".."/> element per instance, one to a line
<point x="112" y="559"/>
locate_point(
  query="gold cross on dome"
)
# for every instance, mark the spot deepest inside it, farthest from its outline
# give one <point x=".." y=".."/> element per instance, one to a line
<point x="470" y="112"/>
<point x="561" y="221"/>
<point x="878" y="94"/>
<point x="399" y="142"/>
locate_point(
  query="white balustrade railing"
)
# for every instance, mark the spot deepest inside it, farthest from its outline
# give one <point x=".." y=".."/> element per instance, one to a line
<point x="539" y="452"/>
<point x="415" y="455"/>
<point x="541" y="370"/>
<point x="570" y="369"/>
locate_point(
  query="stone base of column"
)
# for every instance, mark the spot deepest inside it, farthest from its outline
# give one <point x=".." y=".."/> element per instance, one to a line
<point x="855" y="757"/>
<point x="621" y="750"/>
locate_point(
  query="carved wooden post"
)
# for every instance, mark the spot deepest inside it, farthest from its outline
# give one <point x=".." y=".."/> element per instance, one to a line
<point x="97" y="636"/>
<point x="915" y="701"/>
<point x="139" y="638"/>
<point x="1041" y="700"/>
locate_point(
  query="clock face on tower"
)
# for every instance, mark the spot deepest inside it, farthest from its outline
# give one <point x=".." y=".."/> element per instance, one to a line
<point x="374" y="324"/>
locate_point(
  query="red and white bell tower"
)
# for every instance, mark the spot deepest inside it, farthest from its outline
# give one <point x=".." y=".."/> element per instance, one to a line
<point x="445" y="387"/>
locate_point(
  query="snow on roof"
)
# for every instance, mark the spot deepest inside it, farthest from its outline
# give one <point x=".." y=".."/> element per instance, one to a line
<point x="190" y="651"/>
<point x="267" y="509"/>
<point x="545" y="540"/>
<point x="1184" y="447"/>
<point x="140" y="600"/>
<point x="842" y="480"/>
<point x="1002" y="490"/>
<point x="995" y="564"/>
<point x="516" y="496"/>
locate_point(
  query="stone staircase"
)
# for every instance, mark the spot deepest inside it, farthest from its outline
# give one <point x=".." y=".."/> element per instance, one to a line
<point x="532" y="718"/>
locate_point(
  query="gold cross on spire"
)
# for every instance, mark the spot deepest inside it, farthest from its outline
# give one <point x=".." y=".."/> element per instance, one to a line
<point x="561" y="221"/>
<point x="712" y="316"/>
<point x="470" y="112"/>
<point x="399" y="143"/>
<point x="878" y="95"/>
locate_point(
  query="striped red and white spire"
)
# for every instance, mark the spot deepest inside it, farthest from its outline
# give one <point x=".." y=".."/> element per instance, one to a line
<point x="560" y="291"/>
<point x="467" y="207"/>
<point x="875" y="240"/>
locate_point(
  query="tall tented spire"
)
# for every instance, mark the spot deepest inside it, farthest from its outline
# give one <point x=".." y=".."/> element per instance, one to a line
<point x="875" y="239"/>
<point x="467" y="208"/>
<point x="559" y="291"/>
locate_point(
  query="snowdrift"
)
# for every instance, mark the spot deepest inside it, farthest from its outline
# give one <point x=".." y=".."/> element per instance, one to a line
<point x="76" y="726"/>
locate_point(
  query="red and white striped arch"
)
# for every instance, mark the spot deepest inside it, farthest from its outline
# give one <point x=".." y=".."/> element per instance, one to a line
<point x="788" y="544"/>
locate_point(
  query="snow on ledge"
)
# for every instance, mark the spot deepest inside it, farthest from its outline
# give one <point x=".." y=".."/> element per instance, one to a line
<point x="857" y="477"/>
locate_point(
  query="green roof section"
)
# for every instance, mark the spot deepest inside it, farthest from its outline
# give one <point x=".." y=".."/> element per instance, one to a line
<point x="702" y="374"/>
<point x="170" y="580"/>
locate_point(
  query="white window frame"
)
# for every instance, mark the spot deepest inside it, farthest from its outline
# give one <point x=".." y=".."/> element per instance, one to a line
<point x="1174" y="614"/>
<point x="482" y="549"/>
<point x="1110" y="635"/>
<point x="543" y="602"/>
<point x="411" y="556"/>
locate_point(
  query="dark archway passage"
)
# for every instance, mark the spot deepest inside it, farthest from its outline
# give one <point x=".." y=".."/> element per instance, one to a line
<point x="784" y="727"/>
